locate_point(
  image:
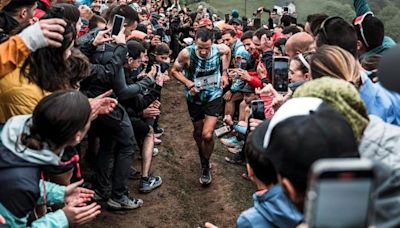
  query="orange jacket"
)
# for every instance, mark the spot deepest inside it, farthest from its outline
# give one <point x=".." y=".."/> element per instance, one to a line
<point x="13" y="52"/>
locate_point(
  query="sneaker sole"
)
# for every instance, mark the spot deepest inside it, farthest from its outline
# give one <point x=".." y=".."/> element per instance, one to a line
<point x="205" y="183"/>
<point x="117" y="206"/>
<point x="234" y="150"/>
<point x="228" y="144"/>
<point x="158" y="135"/>
<point x="151" y="189"/>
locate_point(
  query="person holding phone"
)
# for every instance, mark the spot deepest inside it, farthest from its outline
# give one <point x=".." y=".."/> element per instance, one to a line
<point x="203" y="61"/>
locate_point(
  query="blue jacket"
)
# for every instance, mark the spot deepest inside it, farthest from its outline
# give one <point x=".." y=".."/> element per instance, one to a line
<point x="271" y="209"/>
<point x="380" y="101"/>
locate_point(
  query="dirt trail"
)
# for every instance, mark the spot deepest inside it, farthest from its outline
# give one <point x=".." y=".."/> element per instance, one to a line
<point x="181" y="201"/>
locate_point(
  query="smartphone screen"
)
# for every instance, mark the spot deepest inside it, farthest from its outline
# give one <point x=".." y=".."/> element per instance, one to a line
<point x="226" y="18"/>
<point x="257" y="23"/>
<point x="340" y="193"/>
<point x="257" y="110"/>
<point x="280" y="77"/>
<point x="117" y="25"/>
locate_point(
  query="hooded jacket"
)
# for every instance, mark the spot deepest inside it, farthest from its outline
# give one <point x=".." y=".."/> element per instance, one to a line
<point x="271" y="209"/>
<point x="20" y="169"/>
<point x="381" y="141"/>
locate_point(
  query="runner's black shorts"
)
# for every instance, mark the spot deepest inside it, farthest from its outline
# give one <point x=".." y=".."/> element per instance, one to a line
<point x="198" y="112"/>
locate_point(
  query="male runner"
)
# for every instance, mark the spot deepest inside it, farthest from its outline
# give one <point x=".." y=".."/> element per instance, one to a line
<point x="204" y="83"/>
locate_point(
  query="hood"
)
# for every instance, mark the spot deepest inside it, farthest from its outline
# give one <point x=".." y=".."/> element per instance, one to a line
<point x="276" y="208"/>
<point x="10" y="137"/>
<point x="343" y="96"/>
<point x="386" y="44"/>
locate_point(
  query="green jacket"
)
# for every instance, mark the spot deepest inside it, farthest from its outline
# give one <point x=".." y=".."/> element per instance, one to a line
<point x="361" y="7"/>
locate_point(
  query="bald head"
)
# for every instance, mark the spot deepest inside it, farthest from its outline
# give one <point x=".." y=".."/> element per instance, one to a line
<point x="298" y="43"/>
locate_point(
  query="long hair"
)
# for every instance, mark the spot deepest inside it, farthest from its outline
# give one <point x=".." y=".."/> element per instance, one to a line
<point x="335" y="62"/>
<point x="56" y="119"/>
<point x="47" y="67"/>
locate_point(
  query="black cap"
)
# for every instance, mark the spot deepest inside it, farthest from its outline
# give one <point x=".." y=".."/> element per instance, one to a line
<point x="301" y="132"/>
<point x="248" y="89"/>
<point x="388" y="72"/>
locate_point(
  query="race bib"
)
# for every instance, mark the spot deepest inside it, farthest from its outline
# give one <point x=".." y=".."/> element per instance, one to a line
<point x="207" y="82"/>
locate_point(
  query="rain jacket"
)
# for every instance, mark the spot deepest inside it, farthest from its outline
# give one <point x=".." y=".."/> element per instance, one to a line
<point x="271" y="209"/>
<point x="22" y="188"/>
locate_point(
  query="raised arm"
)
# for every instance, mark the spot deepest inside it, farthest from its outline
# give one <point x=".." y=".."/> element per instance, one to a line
<point x="361" y="7"/>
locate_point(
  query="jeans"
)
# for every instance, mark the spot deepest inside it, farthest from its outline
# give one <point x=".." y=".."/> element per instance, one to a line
<point x="116" y="134"/>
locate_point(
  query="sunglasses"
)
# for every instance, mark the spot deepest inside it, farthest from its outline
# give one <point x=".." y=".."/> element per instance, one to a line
<point x="358" y="22"/>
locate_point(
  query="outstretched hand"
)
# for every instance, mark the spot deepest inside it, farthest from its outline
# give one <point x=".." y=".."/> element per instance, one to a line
<point x="74" y="193"/>
<point x="102" y="104"/>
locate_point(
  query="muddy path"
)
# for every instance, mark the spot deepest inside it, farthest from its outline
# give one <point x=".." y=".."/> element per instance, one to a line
<point x="181" y="201"/>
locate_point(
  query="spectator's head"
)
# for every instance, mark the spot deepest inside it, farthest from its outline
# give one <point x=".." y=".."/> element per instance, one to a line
<point x="299" y="68"/>
<point x="163" y="52"/>
<point x="262" y="39"/>
<point x="97" y="22"/>
<point x="343" y="97"/>
<point x="52" y="126"/>
<point x="249" y="94"/>
<point x="136" y="53"/>
<point x="131" y="17"/>
<point x="259" y="167"/>
<point x="290" y="31"/>
<point x="236" y="23"/>
<point x="370" y="32"/>
<point x="298" y="43"/>
<point x="79" y="66"/>
<point x="21" y="10"/>
<point x="301" y="132"/>
<point x="228" y="36"/>
<point x="247" y="40"/>
<point x="335" y="62"/>
<point x="47" y="67"/>
<point x="337" y="31"/>
<point x="205" y="23"/>
<point x="204" y="41"/>
<point x="313" y="23"/>
<point x="72" y="14"/>
<point x="279" y="47"/>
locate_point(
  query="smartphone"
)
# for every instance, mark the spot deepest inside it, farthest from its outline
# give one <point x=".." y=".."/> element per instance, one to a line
<point x="243" y="64"/>
<point x="219" y="132"/>
<point x="340" y="193"/>
<point x="226" y="18"/>
<point x="257" y="110"/>
<point x="118" y="22"/>
<point x="280" y="73"/>
<point x="257" y="23"/>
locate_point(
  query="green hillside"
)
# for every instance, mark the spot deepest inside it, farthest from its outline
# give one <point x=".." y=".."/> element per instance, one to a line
<point x="387" y="10"/>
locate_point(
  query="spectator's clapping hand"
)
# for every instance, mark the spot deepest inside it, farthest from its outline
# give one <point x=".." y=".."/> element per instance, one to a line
<point x="102" y="37"/>
<point x="102" y="104"/>
<point x="85" y="12"/>
<point x="75" y="193"/>
<point x="79" y="214"/>
<point x="120" y="38"/>
<point x="53" y="30"/>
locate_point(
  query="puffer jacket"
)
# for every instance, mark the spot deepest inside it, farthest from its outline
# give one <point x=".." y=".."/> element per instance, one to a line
<point x="381" y="141"/>
<point x="18" y="96"/>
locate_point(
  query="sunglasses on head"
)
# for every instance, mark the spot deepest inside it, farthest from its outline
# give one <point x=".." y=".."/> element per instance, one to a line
<point x="358" y="22"/>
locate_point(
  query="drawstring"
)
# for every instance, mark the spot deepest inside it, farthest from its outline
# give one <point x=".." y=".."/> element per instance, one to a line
<point x="75" y="159"/>
<point x="44" y="189"/>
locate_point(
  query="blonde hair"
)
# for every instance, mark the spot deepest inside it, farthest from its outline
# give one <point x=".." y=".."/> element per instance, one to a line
<point x="335" y="62"/>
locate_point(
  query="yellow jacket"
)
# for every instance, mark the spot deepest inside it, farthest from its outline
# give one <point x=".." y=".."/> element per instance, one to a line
<point x="12" y="53"/>
<point x="18" y="96"/>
